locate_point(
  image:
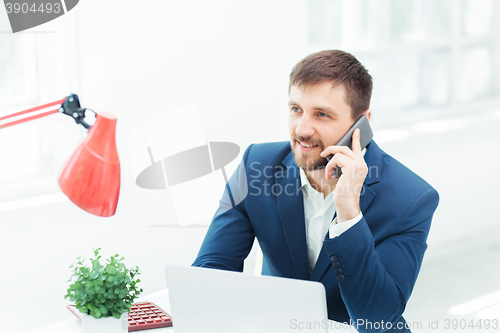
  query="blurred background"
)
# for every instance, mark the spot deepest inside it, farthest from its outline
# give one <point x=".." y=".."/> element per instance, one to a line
<point x="436" y="108"/>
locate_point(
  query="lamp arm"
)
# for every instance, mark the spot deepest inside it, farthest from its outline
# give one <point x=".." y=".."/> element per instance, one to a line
<point x="37" y="108"/>
<point x="69" y="105"/>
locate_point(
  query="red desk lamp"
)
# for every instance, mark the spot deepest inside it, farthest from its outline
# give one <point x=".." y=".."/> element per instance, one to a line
<point x="91" y="177"/>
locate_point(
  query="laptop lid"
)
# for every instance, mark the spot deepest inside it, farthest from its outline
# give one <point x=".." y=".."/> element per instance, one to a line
<point x="208" y="300"/>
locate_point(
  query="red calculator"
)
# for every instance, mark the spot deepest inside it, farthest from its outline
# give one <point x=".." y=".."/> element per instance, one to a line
<point x="142" y="316"/>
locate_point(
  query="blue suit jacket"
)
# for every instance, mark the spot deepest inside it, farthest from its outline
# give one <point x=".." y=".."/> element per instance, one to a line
<point x="368" y="271"/>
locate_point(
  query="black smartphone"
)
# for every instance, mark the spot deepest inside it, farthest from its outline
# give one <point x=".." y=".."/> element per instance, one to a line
<point x="366" y="136"/>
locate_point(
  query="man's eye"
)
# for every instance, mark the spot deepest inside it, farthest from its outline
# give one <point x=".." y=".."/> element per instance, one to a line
<point x="295" y="109"/>
<point x="323" y="115"/>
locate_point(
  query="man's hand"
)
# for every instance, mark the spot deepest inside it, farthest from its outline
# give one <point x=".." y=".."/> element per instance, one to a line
<point x="354" y="170"/>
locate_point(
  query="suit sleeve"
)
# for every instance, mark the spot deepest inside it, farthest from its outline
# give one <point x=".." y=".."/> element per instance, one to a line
<point x="375" y="281"/>
<point x="230" y="236"/>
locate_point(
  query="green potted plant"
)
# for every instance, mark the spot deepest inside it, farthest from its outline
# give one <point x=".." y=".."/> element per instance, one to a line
<point x="103" y="293"/>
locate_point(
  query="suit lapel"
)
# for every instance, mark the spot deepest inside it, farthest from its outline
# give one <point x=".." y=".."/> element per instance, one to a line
<point x="291" y="210"/>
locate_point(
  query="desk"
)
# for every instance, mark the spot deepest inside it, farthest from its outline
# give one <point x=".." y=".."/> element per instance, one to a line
<point x="75" y="326"/>
<point x="161" y="299"/>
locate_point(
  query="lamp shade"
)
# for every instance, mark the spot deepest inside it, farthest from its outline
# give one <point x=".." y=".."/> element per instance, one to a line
<point x="91" y="177"/>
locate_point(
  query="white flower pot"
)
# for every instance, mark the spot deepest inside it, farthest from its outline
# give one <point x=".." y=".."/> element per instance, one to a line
<point x="105" y="325"/>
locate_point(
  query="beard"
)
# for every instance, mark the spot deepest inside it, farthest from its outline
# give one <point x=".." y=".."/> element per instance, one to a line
<point x="309" y="161"/>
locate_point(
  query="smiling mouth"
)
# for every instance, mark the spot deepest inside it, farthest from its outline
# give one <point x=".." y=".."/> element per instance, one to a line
<point x="306" y="146"/>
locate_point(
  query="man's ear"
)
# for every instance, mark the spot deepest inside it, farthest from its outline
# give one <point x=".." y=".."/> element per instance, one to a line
<point x="368" y="114"/>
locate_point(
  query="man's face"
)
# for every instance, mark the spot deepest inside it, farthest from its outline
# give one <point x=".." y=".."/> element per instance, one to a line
<point x="319" y="116"/>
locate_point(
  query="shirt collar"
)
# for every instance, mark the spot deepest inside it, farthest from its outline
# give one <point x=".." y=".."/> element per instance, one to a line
<point x="303" y="178"/>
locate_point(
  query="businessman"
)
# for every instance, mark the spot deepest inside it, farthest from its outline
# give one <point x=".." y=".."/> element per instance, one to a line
<point x="362" y="235"/>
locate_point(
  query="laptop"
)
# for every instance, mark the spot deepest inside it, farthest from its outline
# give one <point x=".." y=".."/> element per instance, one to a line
<point x="206" y="300"/>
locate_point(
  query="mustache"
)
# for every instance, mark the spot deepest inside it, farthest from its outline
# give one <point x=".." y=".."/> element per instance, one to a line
<point x="309" y="141"/>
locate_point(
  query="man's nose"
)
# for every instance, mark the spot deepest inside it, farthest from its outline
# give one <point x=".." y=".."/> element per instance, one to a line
<point x="305" y="127"/>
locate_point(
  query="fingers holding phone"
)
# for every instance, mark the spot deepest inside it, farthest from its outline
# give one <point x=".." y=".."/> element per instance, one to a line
<point x="348" y="140"/>
<point x="342" y="157"/>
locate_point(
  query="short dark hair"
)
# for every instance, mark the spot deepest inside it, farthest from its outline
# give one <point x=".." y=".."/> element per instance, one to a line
<point x="340" y="67"/>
